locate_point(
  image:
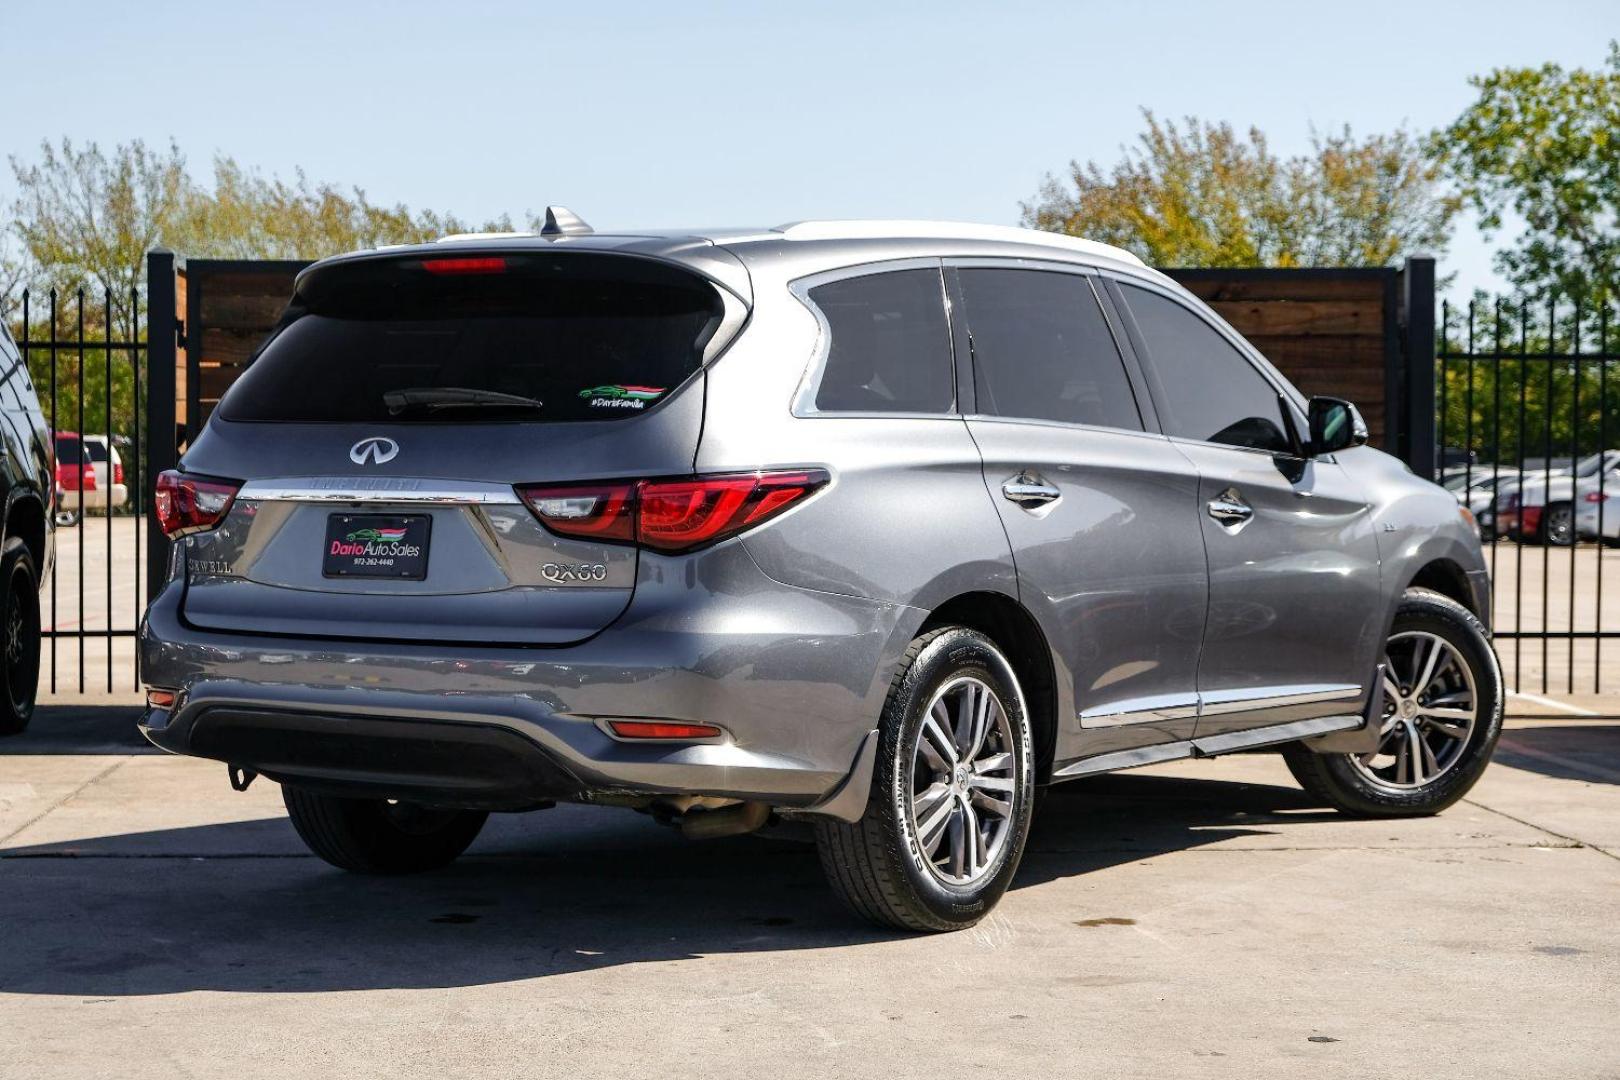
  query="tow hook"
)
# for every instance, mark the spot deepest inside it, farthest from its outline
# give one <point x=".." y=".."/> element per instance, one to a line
<point x="240" y="778"/>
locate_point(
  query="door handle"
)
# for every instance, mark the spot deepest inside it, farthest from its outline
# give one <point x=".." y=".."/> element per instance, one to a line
<point x="1030" y="491"/>
<point x="1229" y="509"/>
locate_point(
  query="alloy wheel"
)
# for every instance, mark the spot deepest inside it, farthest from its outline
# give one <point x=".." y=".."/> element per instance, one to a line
<point x="1430" y="709"/>
<point x="964" y="782"/>
<point x="1561" y="526"/>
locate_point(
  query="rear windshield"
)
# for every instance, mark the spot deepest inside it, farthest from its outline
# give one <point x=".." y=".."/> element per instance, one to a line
<point x="463" y="339"/>
<point x="68" y="451"/>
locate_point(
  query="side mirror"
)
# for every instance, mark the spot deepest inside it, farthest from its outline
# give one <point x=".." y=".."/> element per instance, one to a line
<point x="1335" y="425"/>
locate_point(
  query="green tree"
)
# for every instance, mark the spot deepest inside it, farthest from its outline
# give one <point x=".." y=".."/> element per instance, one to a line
<point x="248" y="216"/>
<point x="84" y="218"/>
<point x="1202" y="195"/>
<point x="1543" y="144"/>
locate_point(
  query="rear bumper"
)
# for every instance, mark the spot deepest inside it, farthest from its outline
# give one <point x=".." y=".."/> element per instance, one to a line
<point x="794" y="678"/>
<point x="100" y="498"/>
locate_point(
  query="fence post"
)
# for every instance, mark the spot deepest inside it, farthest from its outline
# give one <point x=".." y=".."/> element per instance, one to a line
<point x="1417" y="340"/>
<point x="162" y="337"/>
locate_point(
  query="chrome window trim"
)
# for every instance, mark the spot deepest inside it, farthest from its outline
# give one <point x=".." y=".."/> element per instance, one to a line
<point x="378" y="490"/>
<point x="804" y="399"/>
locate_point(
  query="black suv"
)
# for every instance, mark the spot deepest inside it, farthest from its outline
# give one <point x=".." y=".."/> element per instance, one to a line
<point x="26" y="552"/>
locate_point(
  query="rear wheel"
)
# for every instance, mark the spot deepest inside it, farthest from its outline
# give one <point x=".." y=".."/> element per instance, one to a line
<point x="19" y="637"/>
<point x="1558" y="525"/>
<point x="380" y="836"/>
<point x="1442" y="717"/>
<point x="952" y="792"/>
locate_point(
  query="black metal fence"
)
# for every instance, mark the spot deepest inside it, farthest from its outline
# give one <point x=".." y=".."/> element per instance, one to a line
<point x="1528" y="417"/>
<point x="85" y="355"/>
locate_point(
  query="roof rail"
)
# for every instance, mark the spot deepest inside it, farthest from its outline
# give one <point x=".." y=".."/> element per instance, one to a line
<point x="878" y="229"/>
<point x="465" y="236"/>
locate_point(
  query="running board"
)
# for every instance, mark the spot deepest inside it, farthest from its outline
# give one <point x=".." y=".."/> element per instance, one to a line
<point x="1225" y="743"/>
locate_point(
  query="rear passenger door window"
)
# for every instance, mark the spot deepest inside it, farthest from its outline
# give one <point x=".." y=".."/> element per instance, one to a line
<point x="889" y="348"/>
<point x="1042" y="349"/>
<point x="1206" y="389"/>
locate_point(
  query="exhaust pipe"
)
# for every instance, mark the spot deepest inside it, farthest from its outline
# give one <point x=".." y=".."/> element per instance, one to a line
<point x="735" y="820"/>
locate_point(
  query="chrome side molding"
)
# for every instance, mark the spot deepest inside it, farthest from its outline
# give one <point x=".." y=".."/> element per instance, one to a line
<point x="1151" y="710"/>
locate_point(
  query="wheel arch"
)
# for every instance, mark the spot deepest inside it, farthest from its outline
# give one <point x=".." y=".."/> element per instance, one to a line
<point x="1014" y="630"/>
<point x="25" y="519"/>
<point x="1447" y="578"/>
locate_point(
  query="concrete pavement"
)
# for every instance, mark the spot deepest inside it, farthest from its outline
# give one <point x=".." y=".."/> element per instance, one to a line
<point x="1202" y="919"/>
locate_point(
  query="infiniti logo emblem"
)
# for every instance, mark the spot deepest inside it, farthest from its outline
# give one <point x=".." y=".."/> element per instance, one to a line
<point x="375" y="450"/>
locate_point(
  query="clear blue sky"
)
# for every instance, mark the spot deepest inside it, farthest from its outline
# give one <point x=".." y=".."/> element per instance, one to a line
<point x="697" y="114"/>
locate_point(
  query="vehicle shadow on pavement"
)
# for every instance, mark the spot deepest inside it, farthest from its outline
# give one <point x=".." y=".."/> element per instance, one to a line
<point x="1577" y="751"/>
<point x="239" y="907"/>
<point x="80" y="729"/>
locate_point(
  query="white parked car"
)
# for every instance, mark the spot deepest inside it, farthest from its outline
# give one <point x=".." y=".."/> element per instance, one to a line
<point x="1546" y="509"/>
<point x="89" y="476"/>
<point x="1597" y="514"/>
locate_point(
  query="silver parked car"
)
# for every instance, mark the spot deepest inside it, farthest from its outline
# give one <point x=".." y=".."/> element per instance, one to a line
<point x="874" y="525"/>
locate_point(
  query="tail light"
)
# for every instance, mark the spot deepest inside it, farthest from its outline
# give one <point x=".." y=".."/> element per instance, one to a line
<point x="87" y="478"/>
<point x="1596" y="496"/>
<point x="671" y="515"/>
<point x="188" y="504"/>
<point x="118" y="472"/>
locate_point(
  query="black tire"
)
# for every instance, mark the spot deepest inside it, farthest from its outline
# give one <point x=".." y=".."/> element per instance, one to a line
<point x="19" y="636"/>
<point x="1558" y="525"/>
<point x="1336" y="779"/>
<point x="877" y="865"/>
<point x="378" y="836"/>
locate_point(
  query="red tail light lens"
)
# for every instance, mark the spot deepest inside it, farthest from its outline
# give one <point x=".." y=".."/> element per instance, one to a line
<point x="465" y="266"/>
<point x="118" y="473"/>
<point x="681" y="515"/>
<point x="87" y="478"/>
<point x="188" y="504"/>
<point x="598" y="512"/>
<point x="1597" y="496"/>
<point x="672" y="515"/>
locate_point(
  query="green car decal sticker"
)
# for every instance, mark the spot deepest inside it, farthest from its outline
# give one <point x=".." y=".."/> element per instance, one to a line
<point x="615" y="396"/>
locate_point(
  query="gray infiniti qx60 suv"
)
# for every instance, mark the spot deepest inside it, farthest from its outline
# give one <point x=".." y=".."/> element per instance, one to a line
<point x="875" y="525"/>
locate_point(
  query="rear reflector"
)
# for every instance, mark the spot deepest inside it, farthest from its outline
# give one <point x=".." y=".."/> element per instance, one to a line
<point x="465" y="266"/>
<point x="188" y="504"/>
<point x="159" y="699"/>
<point x="671" y="515"/>
<point x="662" y="729"/>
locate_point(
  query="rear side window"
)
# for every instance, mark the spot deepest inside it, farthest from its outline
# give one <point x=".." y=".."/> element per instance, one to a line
<point x="529" y="337"/>
<point x="68" y="451"/>
<point x="1207" y="389"/>
<point x="890" y="348"/>
<point x="1042" y="349"/>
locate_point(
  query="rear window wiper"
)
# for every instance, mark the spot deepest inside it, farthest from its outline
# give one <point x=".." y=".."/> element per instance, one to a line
<point x="435" y="398"/>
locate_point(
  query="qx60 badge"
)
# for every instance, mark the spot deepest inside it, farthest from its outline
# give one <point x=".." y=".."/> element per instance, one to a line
<point x="376" y="450"/>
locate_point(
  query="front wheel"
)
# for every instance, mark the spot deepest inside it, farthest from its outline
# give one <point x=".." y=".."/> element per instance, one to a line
<point x="1442" y="718"/>
<point x="1558" y="525"/>
<point x="379" y="836"/>
<point x="952" y="791"/>
<point x="19" y="634"/>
